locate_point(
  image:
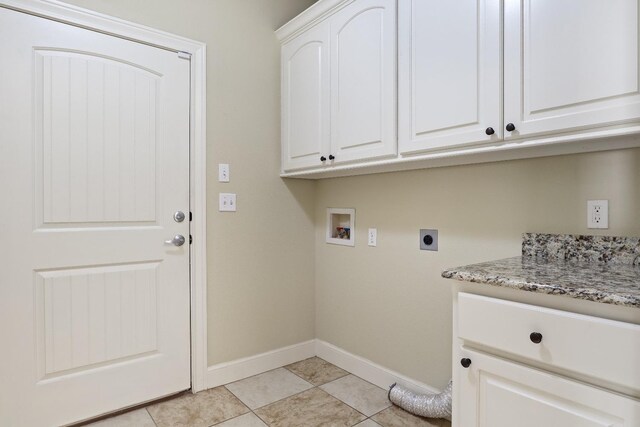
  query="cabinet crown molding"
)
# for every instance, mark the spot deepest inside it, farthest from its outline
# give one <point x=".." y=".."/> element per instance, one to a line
<point x="309" y="17"/>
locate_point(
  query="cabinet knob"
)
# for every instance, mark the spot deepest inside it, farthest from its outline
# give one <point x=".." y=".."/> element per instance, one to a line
<point x="323" y="158"/>
<point x="511" y="127"/>
<point x="489" y="131"/>
<point x="331" y="157"/>
<point x="535" y="337"/>
<point x="465" y="362"/>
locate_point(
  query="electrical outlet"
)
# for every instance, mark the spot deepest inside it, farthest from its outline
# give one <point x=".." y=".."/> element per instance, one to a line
<point x="373" y="236"/>
<point x="227" y="202"/>
<point x="597" y="214"/>
<point x="428" y="240"/>
<point x="223" y="172"/>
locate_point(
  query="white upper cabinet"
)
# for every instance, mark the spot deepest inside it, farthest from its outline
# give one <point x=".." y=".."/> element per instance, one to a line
<point x="449" y="70"/>
<point x="363" y="81"/>
<point x="305" y="99"/>
<point x="570" y="64"/>
<point x="384" y="85"/>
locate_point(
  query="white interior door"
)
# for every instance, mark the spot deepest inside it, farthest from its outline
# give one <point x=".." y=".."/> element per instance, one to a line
<point x="94" y="161"/>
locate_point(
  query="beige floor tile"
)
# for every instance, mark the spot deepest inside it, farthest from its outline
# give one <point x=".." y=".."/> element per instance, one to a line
<point x="137" y="418"/>
<point x="266" y="388"/>
<point x="396" y="417"/>
<point x="367" y="423"/>
<point x="316" y="371"/>
<point x="359" y="394"/>
<point x="246" y="420"/>
<point x="198" y="410"/>
<point x="309" y="409"/>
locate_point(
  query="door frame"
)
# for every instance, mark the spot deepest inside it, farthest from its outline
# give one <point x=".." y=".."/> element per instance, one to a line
<point x="80" y="17"/>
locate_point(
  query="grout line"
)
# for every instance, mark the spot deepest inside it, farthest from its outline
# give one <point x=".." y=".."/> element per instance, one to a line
<point x="146" y="408"/>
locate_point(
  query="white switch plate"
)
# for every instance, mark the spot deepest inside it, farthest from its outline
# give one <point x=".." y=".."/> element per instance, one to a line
<point x="372" y="236"/>
<point x="227" y="202"/>
<point x="597" y="214"/>
<point x="223" y="172"/>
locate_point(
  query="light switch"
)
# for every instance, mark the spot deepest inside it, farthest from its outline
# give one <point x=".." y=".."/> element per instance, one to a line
<point x="227" y="202"/>
<point x="223" y="172"/>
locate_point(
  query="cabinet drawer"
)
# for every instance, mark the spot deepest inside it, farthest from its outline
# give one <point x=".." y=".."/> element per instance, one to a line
<point x="603" y="349"/>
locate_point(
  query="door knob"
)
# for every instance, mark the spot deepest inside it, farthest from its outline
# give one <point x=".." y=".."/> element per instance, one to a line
<point x="331" y="157"/>
<point x="178" y="240"/>
<point x="511" y="127"/>
<point x="489" y="131"/>
<point x="465" y="362"/>
<point x="323" y="158"/>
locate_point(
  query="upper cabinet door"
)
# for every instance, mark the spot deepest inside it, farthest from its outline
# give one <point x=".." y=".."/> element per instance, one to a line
<point x="570" y="64"/>
<point x="363" y="81"/>
<point x="449" y="73"/>
<point x="305" y="99"/>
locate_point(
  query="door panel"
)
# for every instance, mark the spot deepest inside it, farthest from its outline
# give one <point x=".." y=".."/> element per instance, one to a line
<point x="449" y="73"/>
<point x="97" y="140"/>
<point x="498" y="393"/>
<point x="94" y="159"/>
<point x="363" y="79"/>
<point x="560" y="74"/>
<point x="305" y="99"/>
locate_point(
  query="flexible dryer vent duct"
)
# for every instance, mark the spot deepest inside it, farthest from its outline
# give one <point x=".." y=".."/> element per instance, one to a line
<point x="424" y="405"/>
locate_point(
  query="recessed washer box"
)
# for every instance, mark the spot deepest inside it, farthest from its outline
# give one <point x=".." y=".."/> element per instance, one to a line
<point x="341" y="226"/>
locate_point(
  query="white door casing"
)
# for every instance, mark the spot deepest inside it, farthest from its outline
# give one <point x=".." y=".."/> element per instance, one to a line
<point x="95" y="143"/>
<point x="449" y="73"/>
<point x="363" y="81"/>
<point x="561" y="74"/>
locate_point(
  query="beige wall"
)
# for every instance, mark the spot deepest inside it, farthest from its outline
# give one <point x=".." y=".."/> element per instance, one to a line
<point x="389" y="303"/>
<point x="261" y="262"/>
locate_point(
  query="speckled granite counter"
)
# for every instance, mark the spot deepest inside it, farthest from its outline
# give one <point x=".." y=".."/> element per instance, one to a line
<point x="548" y="268"/>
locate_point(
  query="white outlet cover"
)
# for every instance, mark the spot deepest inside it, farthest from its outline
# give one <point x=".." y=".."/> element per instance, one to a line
<point x="227" y="202"/>
<point x="597" y="214"/>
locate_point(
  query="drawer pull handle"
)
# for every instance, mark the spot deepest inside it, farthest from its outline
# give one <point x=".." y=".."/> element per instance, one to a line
<point x="465" y="362"/>
<point x="535" y="337"/>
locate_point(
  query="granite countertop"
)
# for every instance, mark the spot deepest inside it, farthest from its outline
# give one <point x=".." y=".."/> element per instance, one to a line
<point x="542" y="270"/>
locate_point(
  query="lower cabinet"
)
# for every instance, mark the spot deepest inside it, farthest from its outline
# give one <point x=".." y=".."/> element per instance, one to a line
<point x="525" y="365"/>
<point x="495" y="392"/>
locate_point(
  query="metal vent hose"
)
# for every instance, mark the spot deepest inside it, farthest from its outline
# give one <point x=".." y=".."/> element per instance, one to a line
<point x="432" y="405"/>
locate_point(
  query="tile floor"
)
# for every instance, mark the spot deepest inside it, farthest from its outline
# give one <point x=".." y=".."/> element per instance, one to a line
<point x="312" y="392"/>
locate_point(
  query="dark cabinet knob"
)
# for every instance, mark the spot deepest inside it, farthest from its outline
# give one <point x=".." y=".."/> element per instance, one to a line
<point x="323" y="158"/>
<point x="331" y="157"/>
<point x="535" y="337"/>
<point x="511" y="127"/>
<point x="489" y="131"/>
<point x="465" y="362"/>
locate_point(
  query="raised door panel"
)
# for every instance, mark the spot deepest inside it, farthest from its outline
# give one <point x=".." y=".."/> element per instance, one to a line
<point x="449" y="73"/>
<point x="363" y="81"/>
<point x="570" y="64"/>
<point x="497" y="393"/>
<point x="305" y="99"/>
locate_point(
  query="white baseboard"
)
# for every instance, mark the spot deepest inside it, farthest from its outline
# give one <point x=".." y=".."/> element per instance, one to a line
<point x="228" y="372"/>
<point x="368" y="370"/>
